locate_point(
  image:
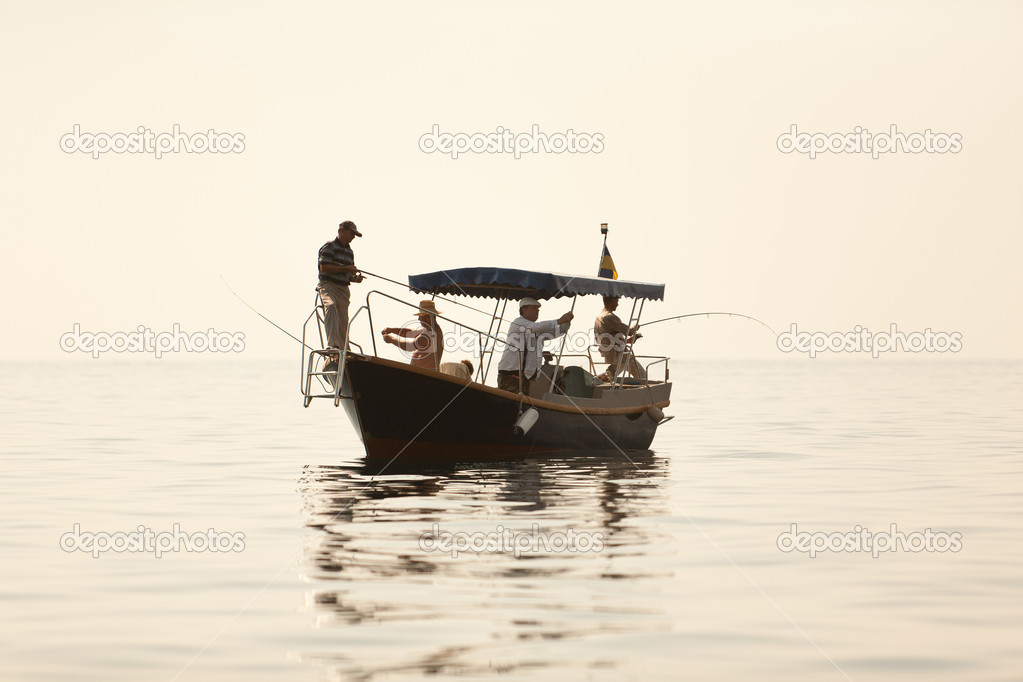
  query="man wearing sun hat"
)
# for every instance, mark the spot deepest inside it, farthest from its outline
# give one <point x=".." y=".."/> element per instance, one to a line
<point x="425" y="343"/>
<point x="336" y="264"/>
<point x="524" y="348"/>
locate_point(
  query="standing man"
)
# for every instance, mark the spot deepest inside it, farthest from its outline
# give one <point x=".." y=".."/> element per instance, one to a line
<point x="337" y="271"/>
<point x="612" y="335"/>
<point x="524" y="347"/>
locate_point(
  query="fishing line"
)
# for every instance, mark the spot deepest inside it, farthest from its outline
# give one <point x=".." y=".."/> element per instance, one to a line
<point x="679" y="317"/>
<point x="447" y="300"/>
<point x="261" y="314"/>
<point x="406" y="286"/>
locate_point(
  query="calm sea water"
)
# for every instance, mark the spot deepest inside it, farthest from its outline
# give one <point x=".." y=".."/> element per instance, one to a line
<point x="688" y="582"/>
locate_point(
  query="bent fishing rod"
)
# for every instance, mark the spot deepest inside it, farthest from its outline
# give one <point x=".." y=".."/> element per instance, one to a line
<point x="679" y="317"/>
<point x="447" y="300"/>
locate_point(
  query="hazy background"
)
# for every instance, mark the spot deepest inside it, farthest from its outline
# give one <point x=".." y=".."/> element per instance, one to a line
<point x="690" y="98"/>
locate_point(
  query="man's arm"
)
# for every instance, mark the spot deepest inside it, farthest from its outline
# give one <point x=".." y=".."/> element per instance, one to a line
<point x="354" y="276"/>
<point x="406" y="344"/>
<point x="400" y="331"/>
<point x="335" y="269"/>
<point x="556" y="327"/>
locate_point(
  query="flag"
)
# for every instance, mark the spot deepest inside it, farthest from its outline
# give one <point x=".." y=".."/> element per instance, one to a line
<point x="607" y="265"/>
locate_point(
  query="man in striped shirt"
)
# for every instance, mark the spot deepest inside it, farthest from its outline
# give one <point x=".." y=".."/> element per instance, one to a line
<point x="337" y="271"/>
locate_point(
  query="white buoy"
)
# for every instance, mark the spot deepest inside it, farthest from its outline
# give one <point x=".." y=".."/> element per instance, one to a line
<point x="525" y="422"/>
<point x="655" y="413"/>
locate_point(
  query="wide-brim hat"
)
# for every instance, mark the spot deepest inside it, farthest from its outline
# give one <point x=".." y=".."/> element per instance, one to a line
<point x="528" y="300"/>
<point x="428" y="306"/>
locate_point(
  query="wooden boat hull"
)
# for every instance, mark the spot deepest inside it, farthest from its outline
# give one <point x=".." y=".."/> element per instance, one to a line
<point x="411" y="412"/>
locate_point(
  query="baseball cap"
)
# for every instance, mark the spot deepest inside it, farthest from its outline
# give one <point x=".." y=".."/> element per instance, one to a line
<point x="351" y="226"/>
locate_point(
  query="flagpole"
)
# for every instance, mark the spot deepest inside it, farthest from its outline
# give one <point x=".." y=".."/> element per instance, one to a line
<point x="603" y="231"/>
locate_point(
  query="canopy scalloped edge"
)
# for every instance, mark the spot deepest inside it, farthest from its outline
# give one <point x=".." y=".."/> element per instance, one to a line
<point x="510" y="283"/>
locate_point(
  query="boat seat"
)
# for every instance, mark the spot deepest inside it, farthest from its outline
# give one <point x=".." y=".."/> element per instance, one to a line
<point x="578" y="382"/>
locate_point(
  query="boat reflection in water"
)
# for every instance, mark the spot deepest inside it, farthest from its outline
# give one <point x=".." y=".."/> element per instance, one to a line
<point x="401" y="609"/>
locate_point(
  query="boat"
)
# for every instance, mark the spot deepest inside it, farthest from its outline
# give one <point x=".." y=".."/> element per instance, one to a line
<point x="412" y="412"/>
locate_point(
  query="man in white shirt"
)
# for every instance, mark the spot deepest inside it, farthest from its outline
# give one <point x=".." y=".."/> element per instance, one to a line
<point x="524" y="348"/>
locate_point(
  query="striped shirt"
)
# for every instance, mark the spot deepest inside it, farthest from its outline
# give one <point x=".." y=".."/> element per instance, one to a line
<point x="336" y="253"/>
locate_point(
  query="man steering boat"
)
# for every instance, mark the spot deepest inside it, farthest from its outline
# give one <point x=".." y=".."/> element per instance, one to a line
<point x="523" y="351"/>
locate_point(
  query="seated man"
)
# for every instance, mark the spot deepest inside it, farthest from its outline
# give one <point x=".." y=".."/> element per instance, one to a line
<point x="426" y="342"/>
<point x="462" y="370"/>
<point x="524" y="346"/>
<point x="612" y="337"/>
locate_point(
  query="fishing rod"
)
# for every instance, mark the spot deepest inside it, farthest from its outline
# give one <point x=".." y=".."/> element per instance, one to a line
<point x="679" y="317"/>
<point x="262" y="315"/>
<point x="246" y="304"/>
<point x="446" y="300"/>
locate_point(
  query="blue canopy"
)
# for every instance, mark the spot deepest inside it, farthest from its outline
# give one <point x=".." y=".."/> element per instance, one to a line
<point x="512" y="284"/>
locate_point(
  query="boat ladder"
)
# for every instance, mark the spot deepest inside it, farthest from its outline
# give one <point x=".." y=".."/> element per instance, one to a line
<point x="316" y="366"/>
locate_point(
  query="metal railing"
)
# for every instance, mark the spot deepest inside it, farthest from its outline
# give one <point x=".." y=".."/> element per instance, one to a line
<point x="623" y="363"/>
<point x="332" y="381"/>
<point x="333" y="377"/>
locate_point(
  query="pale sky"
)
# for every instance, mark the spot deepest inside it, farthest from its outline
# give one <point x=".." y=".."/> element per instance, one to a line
<point x="689" y="99"/>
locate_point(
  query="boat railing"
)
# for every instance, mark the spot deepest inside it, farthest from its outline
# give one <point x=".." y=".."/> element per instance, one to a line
<point x="585" y="356"/>
<point x="331" y="380"/>
<point x="481" y="335"/>
<point x="334" y="377"/>
<point x="623" y="361"/>
<point x="657" y="359"/>
<point x="310" y="366"/>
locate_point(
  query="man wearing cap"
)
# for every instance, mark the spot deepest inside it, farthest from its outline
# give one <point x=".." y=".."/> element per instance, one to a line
<point x="612" y="336"/>
<point x="524" y="348"/>
<point x="425" y="342"/>
<point x="337" y="270"/>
